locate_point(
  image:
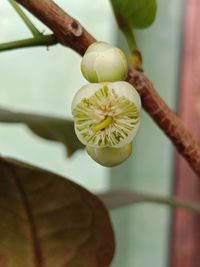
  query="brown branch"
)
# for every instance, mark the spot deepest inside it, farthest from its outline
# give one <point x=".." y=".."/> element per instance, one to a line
<point x="166" y="119"/>
<point x="70" y="33"/>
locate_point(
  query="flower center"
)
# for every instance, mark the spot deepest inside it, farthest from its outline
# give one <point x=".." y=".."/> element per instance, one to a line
<point x="102" y="125"/>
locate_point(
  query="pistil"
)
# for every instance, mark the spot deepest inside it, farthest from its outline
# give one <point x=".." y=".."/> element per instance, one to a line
<point x="103" y="124"/>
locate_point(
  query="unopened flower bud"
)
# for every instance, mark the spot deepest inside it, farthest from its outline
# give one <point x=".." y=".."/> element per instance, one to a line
<point x="103" y="62"/>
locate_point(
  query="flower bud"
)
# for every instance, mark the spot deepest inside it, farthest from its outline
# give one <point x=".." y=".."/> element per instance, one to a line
<point x="103" y="62"/>
<point x="109" y="156"/>
<point x="106" y="114"/>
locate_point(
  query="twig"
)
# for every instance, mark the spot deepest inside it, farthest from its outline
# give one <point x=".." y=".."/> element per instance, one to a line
<point x="69" y="32"/>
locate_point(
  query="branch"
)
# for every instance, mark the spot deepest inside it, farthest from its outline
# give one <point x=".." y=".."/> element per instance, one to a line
<point x="166" y="119"/>
<point x="70" y="33"/>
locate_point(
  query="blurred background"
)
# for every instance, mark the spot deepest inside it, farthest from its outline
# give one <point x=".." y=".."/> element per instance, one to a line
<point x="44" y="81"/>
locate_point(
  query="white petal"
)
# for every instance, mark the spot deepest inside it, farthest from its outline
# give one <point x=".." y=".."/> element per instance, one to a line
<point x="130" y="137"/>
<point x="98" y="47"/>
<point x="110" y="67"/>
<point x="85" y="92"/>
<point x="125" y="89"/>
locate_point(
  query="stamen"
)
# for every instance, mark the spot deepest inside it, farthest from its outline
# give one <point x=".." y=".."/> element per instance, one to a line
<point x="104" y="124"/>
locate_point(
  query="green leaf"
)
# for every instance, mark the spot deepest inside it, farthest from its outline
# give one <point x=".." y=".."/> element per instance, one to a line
<point x="48" y="221"/>
<point x="138" y="14"/>
<point x="123" y="198"/>
<point x="50" y="128"/>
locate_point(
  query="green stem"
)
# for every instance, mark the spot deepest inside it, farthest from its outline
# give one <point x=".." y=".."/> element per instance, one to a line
<point x="42" y="40"/>
<point x="136" y="57"/>
<point x="130" y="38"/>
<point x="24" y="17"/>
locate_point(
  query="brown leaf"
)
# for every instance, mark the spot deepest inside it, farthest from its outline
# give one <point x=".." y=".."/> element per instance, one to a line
<point x="49" y="221"/>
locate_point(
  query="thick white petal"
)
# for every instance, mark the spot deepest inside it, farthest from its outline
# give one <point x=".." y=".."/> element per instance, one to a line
<point x="125" y="89"/>
<point x="85" y="92"/>
<point x="130" y="137"/>
<point x="110" y="67"/>
<point x="98" y="47"/>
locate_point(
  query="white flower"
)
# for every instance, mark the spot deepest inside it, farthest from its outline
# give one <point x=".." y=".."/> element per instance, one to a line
<point x="103" y="62"/>
<point x="109" y="156"/>
<point x="106" y="114"/>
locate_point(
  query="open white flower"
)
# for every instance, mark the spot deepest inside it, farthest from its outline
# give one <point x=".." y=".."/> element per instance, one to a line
<point x="106" y="114"/>
<point x="103" y="62"/>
